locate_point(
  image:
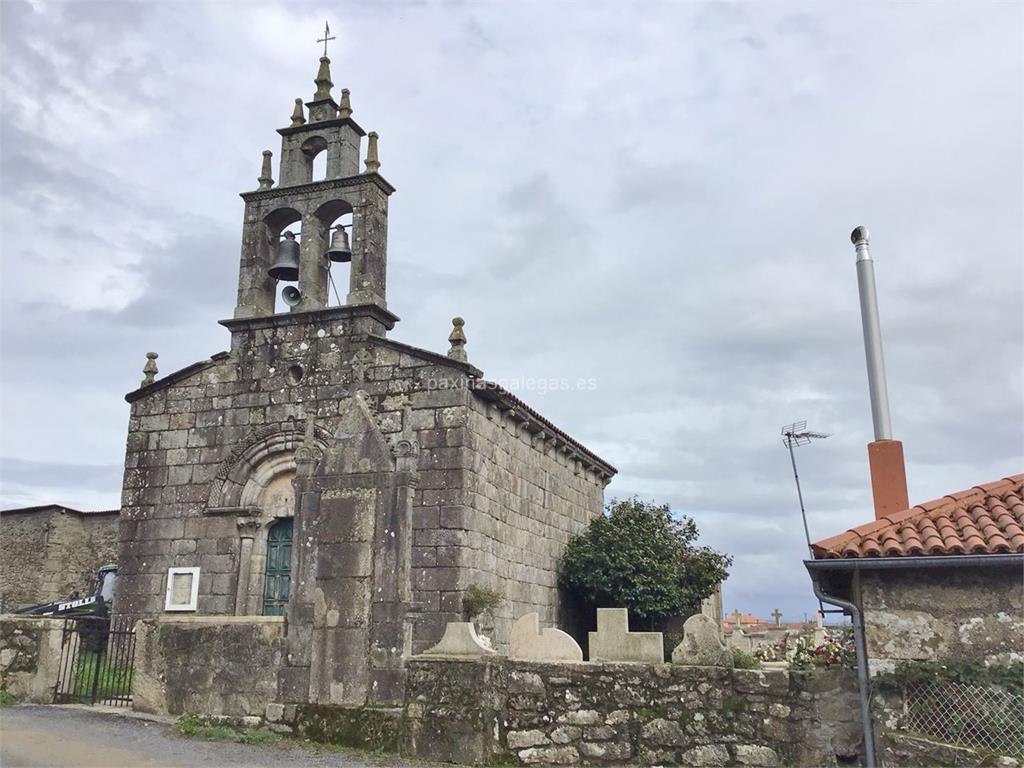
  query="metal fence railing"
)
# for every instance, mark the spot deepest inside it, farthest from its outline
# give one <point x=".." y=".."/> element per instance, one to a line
<point x="96" y="661"/>
<point x="985" y="718"/>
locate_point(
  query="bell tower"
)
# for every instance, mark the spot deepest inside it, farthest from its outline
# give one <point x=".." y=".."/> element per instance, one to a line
<point x="271" y="252"/>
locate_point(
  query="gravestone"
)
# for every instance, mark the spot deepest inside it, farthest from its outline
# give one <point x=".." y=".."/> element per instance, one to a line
<point x="702" y="644"/>
<point x="528" y="643"/>
<point x="614" y="642"/>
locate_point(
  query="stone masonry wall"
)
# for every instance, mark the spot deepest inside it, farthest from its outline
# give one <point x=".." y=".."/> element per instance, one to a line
<point x="214" y="666"/>
<point x="969" y="613"/>
<point x="51" y="552"/>
<point x="495" y="710"/>
<point x="524" y="500"/>
<point x="29" y="657"/>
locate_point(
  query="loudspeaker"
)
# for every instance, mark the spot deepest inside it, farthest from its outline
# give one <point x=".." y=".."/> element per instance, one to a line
<point x="291" y="295"/>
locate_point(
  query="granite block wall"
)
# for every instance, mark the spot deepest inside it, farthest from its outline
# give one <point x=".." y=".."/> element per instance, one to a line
<point x="213" y="666"/>
<point x="525" y="497"/>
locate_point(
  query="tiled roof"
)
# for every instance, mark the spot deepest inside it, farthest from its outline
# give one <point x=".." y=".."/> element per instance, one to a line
<point x="985" y="519"/>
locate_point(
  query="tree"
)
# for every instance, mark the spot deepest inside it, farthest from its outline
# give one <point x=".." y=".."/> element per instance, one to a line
<point x="642" y="557"/>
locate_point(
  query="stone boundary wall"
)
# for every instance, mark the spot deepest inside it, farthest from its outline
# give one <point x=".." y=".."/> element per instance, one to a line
<point x="493" y="710"/>
<point x="29" y="657"/>
<point x="210" y="665"/>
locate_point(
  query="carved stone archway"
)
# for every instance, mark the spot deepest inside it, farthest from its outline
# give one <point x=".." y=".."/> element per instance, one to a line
<point x="255" y="485"/>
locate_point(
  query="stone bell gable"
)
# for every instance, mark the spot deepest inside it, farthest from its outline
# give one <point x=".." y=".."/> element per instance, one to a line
<point x="323" y="471"/>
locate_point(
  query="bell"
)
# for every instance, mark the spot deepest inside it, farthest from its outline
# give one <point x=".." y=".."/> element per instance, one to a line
<point x="291" y="295"/>
<point x="340" y="250"/>
<point x="286" y="259"/>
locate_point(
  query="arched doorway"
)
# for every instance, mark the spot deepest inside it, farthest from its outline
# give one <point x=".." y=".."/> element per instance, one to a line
<point x="278" y="569"/>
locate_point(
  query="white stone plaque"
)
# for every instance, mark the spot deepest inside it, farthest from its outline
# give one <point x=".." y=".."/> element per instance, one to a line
<point x="182" y="589"/>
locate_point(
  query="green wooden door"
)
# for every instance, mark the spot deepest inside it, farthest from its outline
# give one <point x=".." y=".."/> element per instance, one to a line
<point x="279" y="568"/>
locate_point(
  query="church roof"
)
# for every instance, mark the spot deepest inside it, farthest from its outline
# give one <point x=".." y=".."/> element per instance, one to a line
<point x="986" y="519"/>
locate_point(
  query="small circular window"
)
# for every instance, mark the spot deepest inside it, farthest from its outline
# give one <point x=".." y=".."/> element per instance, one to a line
<point x="295" y="373"/>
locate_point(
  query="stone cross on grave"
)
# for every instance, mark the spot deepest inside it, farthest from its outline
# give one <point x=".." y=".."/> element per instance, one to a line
<point x="737" y="616"/>
<point x="777" y="615"/>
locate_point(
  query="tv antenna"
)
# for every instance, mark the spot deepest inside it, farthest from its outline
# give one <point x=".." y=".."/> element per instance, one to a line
<point x="797" y="434"/>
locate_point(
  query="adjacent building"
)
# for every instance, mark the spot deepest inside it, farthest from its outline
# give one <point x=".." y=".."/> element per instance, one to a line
<point x="48" y="552"/>
<point x="943" y="579"/>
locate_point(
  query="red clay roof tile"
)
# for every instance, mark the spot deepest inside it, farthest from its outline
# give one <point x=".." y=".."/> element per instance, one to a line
<point x="986" y="519"/>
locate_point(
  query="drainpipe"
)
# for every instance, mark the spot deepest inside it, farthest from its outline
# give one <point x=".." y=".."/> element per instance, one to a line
<point x="862" y="667"/>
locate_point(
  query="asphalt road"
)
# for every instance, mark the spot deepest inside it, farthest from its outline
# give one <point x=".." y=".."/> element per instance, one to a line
<point x="51" y="736"/>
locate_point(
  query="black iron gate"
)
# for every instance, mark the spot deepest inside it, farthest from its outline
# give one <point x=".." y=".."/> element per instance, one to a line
<point x="96" y="658"/>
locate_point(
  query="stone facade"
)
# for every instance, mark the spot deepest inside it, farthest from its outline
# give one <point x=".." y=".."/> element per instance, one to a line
<point x="407" y="477"/>
<point x="496" y="711"/>
<point x="51" y="551"/>
<point x="926" y="614"/>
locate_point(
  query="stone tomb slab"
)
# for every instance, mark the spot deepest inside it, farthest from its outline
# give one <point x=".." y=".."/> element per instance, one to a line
<point x="614" y="642"/>
<point x="528" y="643"/>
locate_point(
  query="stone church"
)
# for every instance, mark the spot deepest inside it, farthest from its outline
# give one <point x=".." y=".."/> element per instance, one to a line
<point x="324" y="471"/>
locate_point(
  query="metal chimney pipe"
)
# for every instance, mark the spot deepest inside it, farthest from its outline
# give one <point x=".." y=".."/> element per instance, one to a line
<point x="872" y="336"/>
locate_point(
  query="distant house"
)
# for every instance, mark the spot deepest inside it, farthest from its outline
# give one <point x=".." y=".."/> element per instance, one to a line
<point x="941" y="579"/>
<point x="49" y="551"/>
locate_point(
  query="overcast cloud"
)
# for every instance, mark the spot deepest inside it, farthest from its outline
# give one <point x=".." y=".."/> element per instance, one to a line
<point x="657" y="197"/>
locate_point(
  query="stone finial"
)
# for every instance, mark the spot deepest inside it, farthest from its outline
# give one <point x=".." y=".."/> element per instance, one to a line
<point x="345" y="108"/>
<point x="266" y="180"/>
<point x="372" y="162"/>
<point x="149" y="370"/>
<point x="458" y="340"/>
<point x="323" y="80"/>
<point x="298" y="115"/>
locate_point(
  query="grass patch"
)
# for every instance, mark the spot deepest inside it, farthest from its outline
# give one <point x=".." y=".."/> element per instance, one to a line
<point x="113" y="681"/>
<point x="6" y="699"/>
<point x="196" y="727"/>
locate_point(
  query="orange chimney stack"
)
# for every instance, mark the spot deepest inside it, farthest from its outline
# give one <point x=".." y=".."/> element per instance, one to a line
<point x="888" y="477"/>
<point x="885" y="455"/>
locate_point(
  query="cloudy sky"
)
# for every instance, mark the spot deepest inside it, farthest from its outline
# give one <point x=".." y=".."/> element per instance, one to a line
<point x="657" y="197"/>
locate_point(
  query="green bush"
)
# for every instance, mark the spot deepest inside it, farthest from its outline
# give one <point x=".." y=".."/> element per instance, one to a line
<point x="743" y="660"/>
<point x="477" y="600"/>
<point x="642" y="557"/>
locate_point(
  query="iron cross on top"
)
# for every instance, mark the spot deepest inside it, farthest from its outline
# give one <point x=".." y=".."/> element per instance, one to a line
<point x="327" y="36"/>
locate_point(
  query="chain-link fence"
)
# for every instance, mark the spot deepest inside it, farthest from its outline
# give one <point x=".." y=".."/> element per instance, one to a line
<point x="971" y="716"/>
